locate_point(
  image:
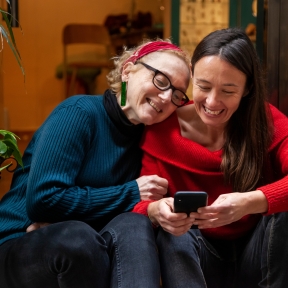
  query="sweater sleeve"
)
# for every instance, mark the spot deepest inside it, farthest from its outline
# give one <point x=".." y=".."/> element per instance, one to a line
<point x="276" y="192"/>
<point x="149" y="167"/>
<point x="59" y="155"/>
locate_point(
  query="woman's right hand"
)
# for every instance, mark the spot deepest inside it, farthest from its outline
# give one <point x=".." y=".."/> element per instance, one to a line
<point x="161" y="213"/>
<point x="36" y="226"/>
<point x="152" y="187"/>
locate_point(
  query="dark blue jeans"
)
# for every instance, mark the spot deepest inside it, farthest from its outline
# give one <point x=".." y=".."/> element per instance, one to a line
<point x="73" y="255"/>
<point x="257" y="260"/>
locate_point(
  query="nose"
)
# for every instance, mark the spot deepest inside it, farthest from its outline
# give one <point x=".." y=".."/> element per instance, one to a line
<point x="165" y="96"/>
<point x="213" y="98"/>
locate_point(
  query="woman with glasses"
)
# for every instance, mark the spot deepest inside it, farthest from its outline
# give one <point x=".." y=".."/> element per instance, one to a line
<point x="81" y="170"/>
<point x="231" y="143"/>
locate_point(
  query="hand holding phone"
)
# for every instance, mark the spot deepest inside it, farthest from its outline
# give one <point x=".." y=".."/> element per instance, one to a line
<point x="189" y="201"/>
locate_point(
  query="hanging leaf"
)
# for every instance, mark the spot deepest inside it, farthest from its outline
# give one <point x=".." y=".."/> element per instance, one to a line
<point x="3" y="148"/>
<point x="13" y="48"/>
<point x="9" y="36"/>
<point x="6" y="166"/>
<point x="8" y="24"/>
<point x="5" y="132"/>
<point x="10" y="137"/>
<point x="9" y="147"/>
<point x="8" y="144"/>
<point x="13" y="150"/>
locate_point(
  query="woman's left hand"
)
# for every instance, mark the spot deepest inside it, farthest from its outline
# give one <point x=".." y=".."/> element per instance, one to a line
<point x="231" y="207"/>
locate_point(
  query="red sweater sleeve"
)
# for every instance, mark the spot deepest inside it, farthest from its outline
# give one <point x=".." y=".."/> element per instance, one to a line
<point x="276" y="192"/>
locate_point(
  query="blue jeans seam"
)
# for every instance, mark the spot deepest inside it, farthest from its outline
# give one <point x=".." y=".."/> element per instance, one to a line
<point x="271" y="236"/>
<point x="113" y="235"/>
<point x="208" y="248"/>
<point x="200" y="238"/>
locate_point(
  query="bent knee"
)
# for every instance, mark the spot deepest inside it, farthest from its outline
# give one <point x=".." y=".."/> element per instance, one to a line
<point x="73" y="236"/>
<point x="131" y="219"/>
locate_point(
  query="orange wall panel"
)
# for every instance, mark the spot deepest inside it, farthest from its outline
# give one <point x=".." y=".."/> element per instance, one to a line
<point x="29" y="103"/>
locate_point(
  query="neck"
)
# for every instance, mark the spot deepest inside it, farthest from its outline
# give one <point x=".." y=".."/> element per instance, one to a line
<point x="194" y="129"/>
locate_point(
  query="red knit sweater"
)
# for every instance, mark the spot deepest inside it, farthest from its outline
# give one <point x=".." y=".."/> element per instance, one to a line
<point x="189" y="166"/>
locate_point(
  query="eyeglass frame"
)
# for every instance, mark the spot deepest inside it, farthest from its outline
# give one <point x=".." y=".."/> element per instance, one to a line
<point x="156" y="71"/>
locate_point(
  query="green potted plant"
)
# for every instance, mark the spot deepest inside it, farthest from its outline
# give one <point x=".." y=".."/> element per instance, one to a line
<point x="8" y="140"/>
<point x="9" y="148"/>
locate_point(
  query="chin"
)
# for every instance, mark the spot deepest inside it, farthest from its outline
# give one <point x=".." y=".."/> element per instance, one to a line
<point x="150" y="121"/>
<point x="147" y="119"/>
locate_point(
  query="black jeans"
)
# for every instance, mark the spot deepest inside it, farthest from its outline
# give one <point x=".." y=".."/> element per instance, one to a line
<point x="73" y="255"/>
<point x="258" y="260"/>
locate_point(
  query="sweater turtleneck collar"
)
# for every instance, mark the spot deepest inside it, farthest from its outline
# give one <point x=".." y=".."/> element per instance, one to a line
<point x="117" y="115"/>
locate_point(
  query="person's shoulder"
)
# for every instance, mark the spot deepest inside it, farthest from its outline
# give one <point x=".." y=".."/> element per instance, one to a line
<point x="186" y="112"/>
<point x="165" y="124"/>
<point x="280" y="124"/>
<point x="82" y="100"/>
<point x="88" y="103"/>
<point x="79" y="108"/>
<point x="276" y="114"/>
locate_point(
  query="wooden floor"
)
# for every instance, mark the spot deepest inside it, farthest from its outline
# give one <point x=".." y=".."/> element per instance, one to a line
<point x="6" y="177"/>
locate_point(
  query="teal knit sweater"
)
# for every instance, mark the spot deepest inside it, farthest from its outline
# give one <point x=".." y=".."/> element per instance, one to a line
<point x="78" y="166"/>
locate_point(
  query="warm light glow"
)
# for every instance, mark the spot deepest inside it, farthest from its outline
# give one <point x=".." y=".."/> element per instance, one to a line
<point x="254" y="8"/>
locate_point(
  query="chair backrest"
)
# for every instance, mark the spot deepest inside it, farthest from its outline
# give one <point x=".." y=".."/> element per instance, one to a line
<point x="86" y="34"/>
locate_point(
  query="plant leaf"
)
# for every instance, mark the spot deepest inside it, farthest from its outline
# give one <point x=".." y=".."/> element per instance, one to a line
<point x="10" y="137"/>
<point x="13" y="48"/>
<point x="2" y="168"/>
<point x="3" y="148"/>
<point x="5" y="132"/>
<point x="8" y="24"/>
<point x="11" y="34"/>
<point x="10" y="144"/>
<point x="17" y="155"/>
<point x="13" y="150"/>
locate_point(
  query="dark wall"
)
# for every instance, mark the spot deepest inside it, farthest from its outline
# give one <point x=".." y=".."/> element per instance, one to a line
<point x="277" y="56"/>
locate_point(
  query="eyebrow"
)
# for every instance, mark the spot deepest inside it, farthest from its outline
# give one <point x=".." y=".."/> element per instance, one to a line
<point x="207" y="82"/>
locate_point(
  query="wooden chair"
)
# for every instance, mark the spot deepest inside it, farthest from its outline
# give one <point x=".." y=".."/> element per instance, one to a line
<point x="90" y="34"/>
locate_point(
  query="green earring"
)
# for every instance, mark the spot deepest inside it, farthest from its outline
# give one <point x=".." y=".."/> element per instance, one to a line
<point x="123" y="94"/>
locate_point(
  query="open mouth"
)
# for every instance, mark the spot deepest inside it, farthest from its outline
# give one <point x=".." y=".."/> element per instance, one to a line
<point x="214" y="112"/>
<point x="152" y="104"/>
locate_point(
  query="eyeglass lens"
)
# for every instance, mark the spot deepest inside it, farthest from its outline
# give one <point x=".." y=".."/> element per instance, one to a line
<point x="163" y="83"/>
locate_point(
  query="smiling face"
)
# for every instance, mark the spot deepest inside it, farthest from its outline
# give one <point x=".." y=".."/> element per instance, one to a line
<point x="218" y="88"/>
<point x="145" y="103"/>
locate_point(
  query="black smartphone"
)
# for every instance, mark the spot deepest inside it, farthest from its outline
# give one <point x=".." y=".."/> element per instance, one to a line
<point x="189" y="201"/>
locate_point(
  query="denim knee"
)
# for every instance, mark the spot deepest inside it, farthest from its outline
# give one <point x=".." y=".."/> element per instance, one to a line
<point x="73" y="238"/>
<point x="129" y="219"/>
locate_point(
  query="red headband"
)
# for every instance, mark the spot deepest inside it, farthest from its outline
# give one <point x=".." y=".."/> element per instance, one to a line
<point x="151" y="47"/>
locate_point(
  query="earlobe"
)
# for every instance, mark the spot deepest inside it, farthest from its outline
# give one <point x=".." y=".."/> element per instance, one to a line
<point x="248" y="90"/>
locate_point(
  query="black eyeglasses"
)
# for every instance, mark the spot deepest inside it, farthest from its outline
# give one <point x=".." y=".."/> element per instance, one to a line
<point x="163" y="83"/>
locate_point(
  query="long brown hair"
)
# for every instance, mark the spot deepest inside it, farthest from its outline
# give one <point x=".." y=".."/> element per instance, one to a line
<point x="249" y="130"/>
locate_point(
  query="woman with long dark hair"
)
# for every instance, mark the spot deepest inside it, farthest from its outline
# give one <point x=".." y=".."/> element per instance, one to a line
<point x="231" y="143"/>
